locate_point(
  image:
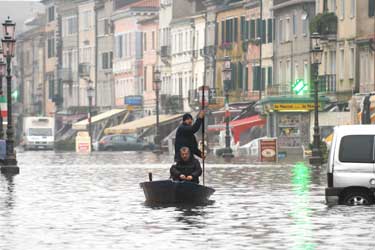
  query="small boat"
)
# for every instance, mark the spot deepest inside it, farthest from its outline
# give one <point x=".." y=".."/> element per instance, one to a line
<point x="172" y="192"/>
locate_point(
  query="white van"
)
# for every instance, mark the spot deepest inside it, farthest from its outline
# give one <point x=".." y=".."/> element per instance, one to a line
<point x="351" y="173"/>
<point x="38" y="133"/>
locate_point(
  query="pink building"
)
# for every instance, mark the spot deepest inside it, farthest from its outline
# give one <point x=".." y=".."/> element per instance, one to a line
<point x="149" y="28"/>
<point x="128" y="48"/>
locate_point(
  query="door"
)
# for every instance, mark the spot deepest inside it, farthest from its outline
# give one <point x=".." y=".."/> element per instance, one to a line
<point x="133" y="143"/>
<point x="354" y="161"/>
<point x="118" y="142"/>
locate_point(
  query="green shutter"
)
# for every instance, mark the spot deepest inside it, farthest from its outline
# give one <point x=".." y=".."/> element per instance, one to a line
<point x="227" y="31"/>
<point x="258" y="28"/>
<point x="235" y="33"/>
<point x="247" y="31"/>
<point x="252" y="29"/>
<point x="371" y="8"/>
<point x="242" y="28"/>
<point x="269" y="76"/>
<point x="255" y="78"/>
<point x="240" y="76"/>
<point x="269" y="31"/>
<point x="234" y="76"/>
<point x="264" y="31"/>
<point x="246" y="86"/>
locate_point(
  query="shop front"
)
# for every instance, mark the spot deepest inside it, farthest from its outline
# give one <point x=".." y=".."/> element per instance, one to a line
<point x="288" y="119"/>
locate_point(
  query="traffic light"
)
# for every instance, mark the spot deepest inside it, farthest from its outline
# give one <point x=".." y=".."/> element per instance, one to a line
<point x="300" y="87"/>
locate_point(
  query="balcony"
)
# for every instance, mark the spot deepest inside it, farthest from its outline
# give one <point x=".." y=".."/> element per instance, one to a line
<point x="165" y="54"/>
<point x="66" y="75"/>
<point x="279" y="90"/>
<point x="326" y="25"/>
<point x="327" y="84"/>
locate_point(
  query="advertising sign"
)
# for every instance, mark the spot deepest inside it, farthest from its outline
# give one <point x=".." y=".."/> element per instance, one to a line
<point x="135" y="100"/>
<point x="268" y="150"/>
<point x="83" y="142"/>
<point x="294" y="106"/>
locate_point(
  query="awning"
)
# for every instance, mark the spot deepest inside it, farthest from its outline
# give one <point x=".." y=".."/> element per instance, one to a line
<point x="239" y="126"/>
<point x="82" y="125"/>
<point x="143" y="123"/>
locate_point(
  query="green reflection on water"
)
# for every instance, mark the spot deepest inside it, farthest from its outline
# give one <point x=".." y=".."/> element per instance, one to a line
<point x="301" y="212"/>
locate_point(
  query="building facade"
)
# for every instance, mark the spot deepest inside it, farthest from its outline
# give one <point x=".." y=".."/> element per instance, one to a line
<point x="292" y="44"/>
<point x="104" y="54"/>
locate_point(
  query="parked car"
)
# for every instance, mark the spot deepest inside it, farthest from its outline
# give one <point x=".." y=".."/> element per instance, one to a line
<point x="350" y="173"/>
<point x="124" y="143"/>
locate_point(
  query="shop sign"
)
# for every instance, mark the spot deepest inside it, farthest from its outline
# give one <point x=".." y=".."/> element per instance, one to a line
<point x="268" y="150"/>
<point x="136" y="100"/>
<point x="294" y="106"/>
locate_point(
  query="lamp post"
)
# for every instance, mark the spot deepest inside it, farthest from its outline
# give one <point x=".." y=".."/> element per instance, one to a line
<point x="2" y="74"/>
<point x="8" y="45"/>
<point x="157" y="86"/>
<point x="227" y="78"/>
<point x="316" y="59"/>
<point x="90" y="95"/>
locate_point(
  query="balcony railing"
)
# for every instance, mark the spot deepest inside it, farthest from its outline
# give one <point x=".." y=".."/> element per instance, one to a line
<point x="327" y="83"/>
<point x="278" y="89"/>
<point x="66" y="75"/>
<point x="165" y="51"/>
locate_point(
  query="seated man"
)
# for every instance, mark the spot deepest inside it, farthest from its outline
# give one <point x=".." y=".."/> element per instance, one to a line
<point x="187" y="168"/>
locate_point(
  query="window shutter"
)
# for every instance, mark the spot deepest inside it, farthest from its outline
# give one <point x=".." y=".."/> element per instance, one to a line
<point x="255" y="78"/>
<point x="269" y="76"/>
<point x="246" y="86"/>
<point x="258" y="28"/>
<point x="234" y="76"/>
<point x="243" y="28"/>
<point x="264" y="31"/>
<point x="269" y="32"/>
<point x="235" y="33"/>
<point x="371" y="8"/>
<point x="240" y="84"/>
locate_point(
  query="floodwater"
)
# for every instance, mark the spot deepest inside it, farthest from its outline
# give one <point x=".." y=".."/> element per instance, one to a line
<point x="69" y="201"/>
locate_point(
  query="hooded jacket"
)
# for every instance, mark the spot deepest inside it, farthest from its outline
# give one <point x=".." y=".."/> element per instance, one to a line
<point x="190" y="167"/>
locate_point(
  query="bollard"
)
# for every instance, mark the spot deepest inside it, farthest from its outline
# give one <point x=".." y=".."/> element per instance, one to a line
<point x="150" y="176"/>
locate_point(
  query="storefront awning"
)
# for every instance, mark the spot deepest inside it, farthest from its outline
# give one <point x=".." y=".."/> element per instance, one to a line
<point x="143" y="123"/>
<point x="82" y="125"/>
<point x="239" y="126"/>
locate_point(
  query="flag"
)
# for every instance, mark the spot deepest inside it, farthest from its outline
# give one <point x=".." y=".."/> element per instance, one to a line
<point x="4" y="107"/>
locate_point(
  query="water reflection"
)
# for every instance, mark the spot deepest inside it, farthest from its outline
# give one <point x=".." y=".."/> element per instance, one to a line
<point x="301" y="212"/>
<point x="9" y="194"/>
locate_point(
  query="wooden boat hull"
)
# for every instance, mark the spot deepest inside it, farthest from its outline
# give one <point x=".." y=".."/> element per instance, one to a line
<point x="170" y="192"/>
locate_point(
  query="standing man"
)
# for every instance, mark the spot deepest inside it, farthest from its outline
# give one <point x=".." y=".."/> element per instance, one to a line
<point x="185" y="135"/>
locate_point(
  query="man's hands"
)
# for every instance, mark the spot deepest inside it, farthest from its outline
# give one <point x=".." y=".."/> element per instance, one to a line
<point x="201" y="114"/>
<point x="186" y="178"/>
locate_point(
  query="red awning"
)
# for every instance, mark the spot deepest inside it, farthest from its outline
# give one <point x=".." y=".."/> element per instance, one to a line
<point x="239" y="126"/>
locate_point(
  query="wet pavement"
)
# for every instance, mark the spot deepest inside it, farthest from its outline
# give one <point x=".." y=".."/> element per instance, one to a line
<point x="69" y="201"/>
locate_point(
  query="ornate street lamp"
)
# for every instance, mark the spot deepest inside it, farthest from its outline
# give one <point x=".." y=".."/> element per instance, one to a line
<point x="227" y="78"/>
<point x="316" y="60"/>
<point x="90" y="95"/>
<point x="8" y="45"/>
<point x="2" y="74"/>
<point x="157" y="87"/>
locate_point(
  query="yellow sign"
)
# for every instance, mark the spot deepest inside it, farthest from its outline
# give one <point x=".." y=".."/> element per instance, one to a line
<point x="294" y="106"/>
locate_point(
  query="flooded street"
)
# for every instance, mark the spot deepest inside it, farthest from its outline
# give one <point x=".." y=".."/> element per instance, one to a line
<point x="69" y="201"/>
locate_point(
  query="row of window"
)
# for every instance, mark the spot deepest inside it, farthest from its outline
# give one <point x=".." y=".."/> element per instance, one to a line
<point x="289" y="28"/>
<point x="231" y="31"/>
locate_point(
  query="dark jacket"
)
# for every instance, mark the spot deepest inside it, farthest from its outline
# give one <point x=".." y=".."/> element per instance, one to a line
<point x="191" y="167"/>
<point x="185" y="138"/>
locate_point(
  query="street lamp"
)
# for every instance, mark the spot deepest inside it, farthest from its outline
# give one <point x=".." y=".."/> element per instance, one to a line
<point x="157" y="86"/>
<point x="90" y="95"/>
<point x="2" y="74"/>
<point x="8" y="45"/>
<point x="227" y="78"/>
<point x="316" y="60"/>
